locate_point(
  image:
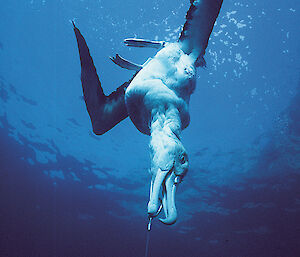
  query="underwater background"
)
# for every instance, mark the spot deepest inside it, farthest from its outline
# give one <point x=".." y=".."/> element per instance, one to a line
<point x="65" y="192"/>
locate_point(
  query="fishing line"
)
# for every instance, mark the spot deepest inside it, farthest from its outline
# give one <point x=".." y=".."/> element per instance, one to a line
<point x="148" y="237"/>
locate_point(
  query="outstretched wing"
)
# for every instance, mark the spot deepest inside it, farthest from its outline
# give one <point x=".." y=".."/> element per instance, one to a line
<point x="105" y="111"/>
<point x="200" y="20"/>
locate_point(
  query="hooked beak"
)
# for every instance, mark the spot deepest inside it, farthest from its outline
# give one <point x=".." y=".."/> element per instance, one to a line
<point x="167" y="180"/>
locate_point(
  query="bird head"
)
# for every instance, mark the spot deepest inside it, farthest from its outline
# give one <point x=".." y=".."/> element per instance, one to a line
<point x="169" y="166"/>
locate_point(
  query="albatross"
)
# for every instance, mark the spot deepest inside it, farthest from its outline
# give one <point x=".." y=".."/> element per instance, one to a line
<point x="156" y="99"/>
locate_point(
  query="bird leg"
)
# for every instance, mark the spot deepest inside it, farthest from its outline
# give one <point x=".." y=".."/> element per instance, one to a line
<point x="135" y="42"/>
<point x="123" y="63"/>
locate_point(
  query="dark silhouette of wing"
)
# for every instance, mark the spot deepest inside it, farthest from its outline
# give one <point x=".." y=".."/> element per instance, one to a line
<point x="105" y="111"/>
<point x="200" y="20"/>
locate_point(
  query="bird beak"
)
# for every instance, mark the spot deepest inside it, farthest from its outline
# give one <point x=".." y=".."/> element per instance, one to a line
<point x="167" y="181"/>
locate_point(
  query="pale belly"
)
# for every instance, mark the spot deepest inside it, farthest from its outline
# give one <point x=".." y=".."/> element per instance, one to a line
<point x="167" y="81"/>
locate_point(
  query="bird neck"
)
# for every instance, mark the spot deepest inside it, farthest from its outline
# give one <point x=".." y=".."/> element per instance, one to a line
<point x="165" y="125"/>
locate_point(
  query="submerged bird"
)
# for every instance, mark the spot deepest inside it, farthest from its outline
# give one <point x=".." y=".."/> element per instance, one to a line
<point x="156" y="99"/>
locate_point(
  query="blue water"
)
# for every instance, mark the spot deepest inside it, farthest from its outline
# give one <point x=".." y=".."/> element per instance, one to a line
<point x="66" y="192"/>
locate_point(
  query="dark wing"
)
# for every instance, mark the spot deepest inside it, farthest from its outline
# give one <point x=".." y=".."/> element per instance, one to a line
<point x="200" y="20"/>
<point x="105" y="111"/>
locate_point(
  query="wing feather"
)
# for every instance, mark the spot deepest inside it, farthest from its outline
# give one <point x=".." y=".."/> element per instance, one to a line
<point x="105" y="111"/>
<point x="200" y="20"/>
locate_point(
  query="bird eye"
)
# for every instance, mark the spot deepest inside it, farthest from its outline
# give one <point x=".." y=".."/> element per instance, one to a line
<point x="182" y="159"/>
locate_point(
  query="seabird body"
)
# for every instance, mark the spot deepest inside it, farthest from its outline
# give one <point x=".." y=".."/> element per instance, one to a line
<point x="166" y="81"/>
<point x="156" y="99"/>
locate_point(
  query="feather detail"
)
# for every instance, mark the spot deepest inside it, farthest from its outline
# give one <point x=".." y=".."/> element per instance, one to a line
<point x="200" y="20"/>
<point x="105" y="111"/>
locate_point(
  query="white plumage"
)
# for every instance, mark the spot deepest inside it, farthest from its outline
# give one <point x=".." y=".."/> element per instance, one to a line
<point x="166" y="81"/>
<point x="156" y="99"/>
